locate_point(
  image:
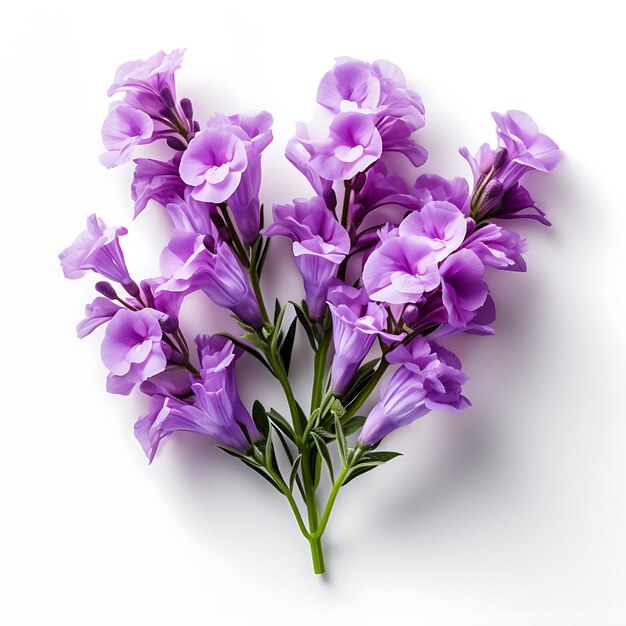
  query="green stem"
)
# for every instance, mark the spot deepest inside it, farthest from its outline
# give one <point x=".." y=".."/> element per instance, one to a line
<point x="319" y="370"/>
<point x="238" y="246"/>
<point x="346" y="203"/>
<point x="256" y="287"/>
<point x="331" y="500"/>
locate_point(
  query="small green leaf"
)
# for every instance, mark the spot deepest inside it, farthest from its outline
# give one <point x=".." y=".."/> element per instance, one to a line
<point x="277" y="308"/>
<point x="276" y="332"/>
<point x="259" y="416"/>
<point x="269" y="449"/>
<point x="254" y="339"/>
<point x="262" y="473"/>
<point x="336" y="408"/>
<point x="287" y="345"/>
<point x="380" y="457"/>
<point x="342" y="444"/>
<point x="237" y="454"/>
<point x="359" y="469"/>
<point x="249" y="349"/>
<point x="281" y="423"/>
<point x="324" y="453"/>
<point x="353" y="425"/>
<point x="324" y="434"/>
<point x="294" y="471"/>
<point x="306" y="324"/>
<point x="263" y="256"/>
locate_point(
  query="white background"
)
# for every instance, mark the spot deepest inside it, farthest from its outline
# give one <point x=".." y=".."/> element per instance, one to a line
<point x="512" y="512"/>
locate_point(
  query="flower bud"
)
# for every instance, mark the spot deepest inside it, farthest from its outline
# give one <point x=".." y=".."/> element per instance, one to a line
<point x="209" y="244"/>
<point x="176" y="144"/>
<point x="222" y="229"/>
<point x="147" y="293"/>
<point x="196" y="127"/>
<point x="411" y="315"/>
<point x="493" y="189"/>
<point x="187" y="108"/>
<point x="330" y="198"/>
<point x="106" y="289"/>
<point x="359" y="182"/>
<point x="358" y="213"/>
<point x="131" y="287"/>
<point x="167" y="97"/>
<point x="169" y="323"/>
<point x="500" y="158"/>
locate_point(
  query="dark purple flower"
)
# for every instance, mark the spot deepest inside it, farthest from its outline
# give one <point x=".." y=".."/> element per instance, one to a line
<point x="97" y="249"/>
<point x="132" y="350"/>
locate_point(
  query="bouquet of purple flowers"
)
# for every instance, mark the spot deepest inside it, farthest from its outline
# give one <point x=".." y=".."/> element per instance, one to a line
<point x="388" y="268"/>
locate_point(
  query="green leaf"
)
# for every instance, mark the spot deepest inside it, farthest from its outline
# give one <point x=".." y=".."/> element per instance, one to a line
<point x="277" y="308"/>
<point x="281" y="423"/>
<point x="353" y="425"/>
<point x="342" y="444"/>
<point x="287" y="345"/>
<point x="357" y="470"/>
<point x="361" y="378"/>
<point x="259" y="416"/>
<point x="336" y="408"/>
<point x="251" y="351"/>
<point x="262" y="473"/>
<point x="294" y="471"/>
<point x="380" y="457"/>
<point x="262" y="257"/>
<point x="326" y="435"/>
<point x="255" y="340"/>
<point x="303" y="419"/>
<point x="325" y="454"/>
<point x="237" y="454"/>
<point x="276" y="331"/>
<point x="269" y="450"/>
<point x="306" y="324"/>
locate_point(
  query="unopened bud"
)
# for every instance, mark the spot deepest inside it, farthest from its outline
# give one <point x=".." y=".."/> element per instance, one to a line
<point x="177" y="357"/>
<point x="209" y="243"/>
<point x="106" y="289"/>
<point x="330" y="198"/>
<point x="196" y="127"/>
<point x="168" y="114"/>
<point x="167" y="97"/>
<point x="493" y="189"/>
<point x="222" y="229"/>
<point x="169" y="323"/>
<point x="147" y="293"/>
<point x="358" y="213"/>
<point x="359" y="182"/>
<point x="411" y="315"/>
<point x="187" y="108"/>
<point x="131" y="287"/>
<point x="500" y="158"/>
<point x="176" y="144"/>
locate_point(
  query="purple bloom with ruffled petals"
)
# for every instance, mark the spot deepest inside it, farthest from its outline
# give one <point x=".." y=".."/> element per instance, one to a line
<point x="429" y="377"/>
<point x="123" y="130"/>
<point x="357" y="322"/>
<point x="429" y="187"/>
<point x="213" y="164"/>
<point x="299" y="152"/>
<point x="354" y="144"/>
<point x="191" y="262"/>
<point x="97" y="249"/>
<point x="98" y="312"/>
<point x="158" y="181"/>
<point x="498" y="247"/>
<point x="441" y="222"/>
<point x="320" y="244"/>
<point x="401" y="270"/>
<point x="462" y="286"/>
<point x="132" y="349"/>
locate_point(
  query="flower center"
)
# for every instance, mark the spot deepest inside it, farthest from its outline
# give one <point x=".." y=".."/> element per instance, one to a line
<point x="216" y="174"/>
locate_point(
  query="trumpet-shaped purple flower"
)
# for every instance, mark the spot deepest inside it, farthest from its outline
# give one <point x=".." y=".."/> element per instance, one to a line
<point x="498" y="247"/>
<point x="401" y="270"/>
<point x="357" y="322"/>
<point x="123" y="130"/>
<point x="299" y="152"/>
<point x="191" y="262"/>
<point x="320" y="244"/>
<point x="98" y="312"/>
<point x="97" y="249"/>
<point x="429" y="187"/>
<point x="158" y="181"/>
<point x="462" y="287"/>
<point x="213" y="164"/>
<point x="352" y="146"/>
<point x="132" y="350"/>
<point x="429" y="377"/>
<point x="441" y="222"/>
<point x="144" y="81"/>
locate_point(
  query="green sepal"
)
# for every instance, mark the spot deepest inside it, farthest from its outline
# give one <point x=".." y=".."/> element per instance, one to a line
<point x="324" y="453"/>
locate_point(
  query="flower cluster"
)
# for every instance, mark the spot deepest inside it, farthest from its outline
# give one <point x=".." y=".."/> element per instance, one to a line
<point x="389" y="269"/>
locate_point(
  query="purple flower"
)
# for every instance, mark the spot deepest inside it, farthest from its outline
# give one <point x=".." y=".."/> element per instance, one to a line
<point x="463" y="290"/>
<point x="144" y="81"/>
<point x="356" y="323"/>
<point x="213" y="164"/>
<point x="498" y="247"/>
<point x="191" y="215"/>
<point x="299" y="152"/>
<point x="441" y="222"/>
<point x="191" y="262"/>
<point x="429" y="377"/>
<point x="132" y="349"/>
<point x="98" y="312"/>
<point x="401" y="270"/>
<point x="97" y="249"/>
<point x="123" y="129"/>
<point x="320" y="244"/>
<point x="158" y="181"/>
<point x="429" y="187"/>
<point x="352" y="146"/>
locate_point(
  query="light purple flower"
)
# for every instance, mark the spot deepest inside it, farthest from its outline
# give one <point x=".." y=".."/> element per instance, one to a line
<point x="356" y="323"/>
<point x="98" y="312"/>
<point x="299" y="152"/>
<point x="143" y="81"/>
<point x="441" y="222"/>
<point x="97" y="249"/>
<point x="132" y="350"/>
<point x="352" y="146"/>
<point x="463" y="289"/>
<point x="429" y="377"/>
<point x="191" y="262"/>
<point x="429" y="187"/>
<point x="498" y="247"/>
<point x="213" y="164"/>
<point x="320" y="244"/>
<point x="123" y="130"/>
<point x="158" y="181"/>
<point x="401" y="270"/>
